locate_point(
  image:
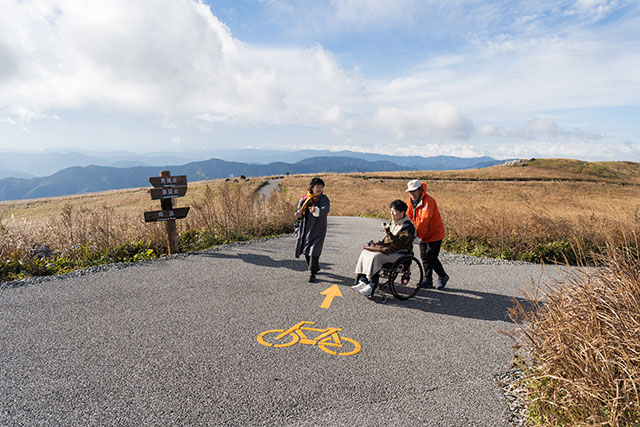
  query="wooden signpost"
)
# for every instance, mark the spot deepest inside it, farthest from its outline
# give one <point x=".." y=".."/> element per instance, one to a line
<point x="166" y="188"/>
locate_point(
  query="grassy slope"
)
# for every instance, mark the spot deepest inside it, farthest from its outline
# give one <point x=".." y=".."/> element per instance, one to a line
<point x="532" y="170"/>
<point x="537" y="169"/>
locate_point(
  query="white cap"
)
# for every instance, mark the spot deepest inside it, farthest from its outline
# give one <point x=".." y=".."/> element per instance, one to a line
<point x="413" y="185"/>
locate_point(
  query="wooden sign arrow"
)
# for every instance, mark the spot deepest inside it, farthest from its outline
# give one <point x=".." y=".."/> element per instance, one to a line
<point x="168" y="181"/>
<point x="168" y="192"/>
<point x="166" y="215"/>
<point x="331" y="293"/>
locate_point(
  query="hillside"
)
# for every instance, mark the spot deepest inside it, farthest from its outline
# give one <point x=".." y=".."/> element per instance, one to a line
<point x="535" y="170"/>
<point x="524" y="179"/>
<point x="77" y="180"/>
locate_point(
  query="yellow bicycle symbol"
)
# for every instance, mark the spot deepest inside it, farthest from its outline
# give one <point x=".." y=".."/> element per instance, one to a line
<point x="327" y="338"/>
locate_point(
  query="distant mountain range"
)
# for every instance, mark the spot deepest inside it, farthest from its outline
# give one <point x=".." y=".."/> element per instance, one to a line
<point x="33" y="164"/>
<point x="86" y="179"/>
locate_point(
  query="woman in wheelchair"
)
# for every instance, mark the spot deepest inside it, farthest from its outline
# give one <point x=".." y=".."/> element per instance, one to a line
<point x="397" y="242"/>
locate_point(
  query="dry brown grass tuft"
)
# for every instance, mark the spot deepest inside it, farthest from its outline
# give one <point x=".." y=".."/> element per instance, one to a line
<point x="231" y="210"/>
<point x="98" y="228"/>
<point x="581" y="345"/>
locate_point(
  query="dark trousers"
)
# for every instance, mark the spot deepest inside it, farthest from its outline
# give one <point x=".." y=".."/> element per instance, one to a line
<point x="313" y="263"/>
<point x="429" y="252"/>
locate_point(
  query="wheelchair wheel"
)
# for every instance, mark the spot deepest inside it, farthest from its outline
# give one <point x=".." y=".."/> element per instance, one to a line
<point x="405" y="277"/>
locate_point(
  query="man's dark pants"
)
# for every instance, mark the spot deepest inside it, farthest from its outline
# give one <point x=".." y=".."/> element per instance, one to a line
<point x="429" y="252"/>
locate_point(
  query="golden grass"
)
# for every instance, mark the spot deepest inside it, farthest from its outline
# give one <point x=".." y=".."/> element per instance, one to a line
<point x="529" y="220"/>
<point x="108" y="227"/>
<point x="535" y="212"/>
<point x="580" y="346"/>
<point x="534" y="170"/>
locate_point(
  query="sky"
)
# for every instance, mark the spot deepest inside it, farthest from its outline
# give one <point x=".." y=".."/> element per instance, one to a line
<point x="505" y="78"/>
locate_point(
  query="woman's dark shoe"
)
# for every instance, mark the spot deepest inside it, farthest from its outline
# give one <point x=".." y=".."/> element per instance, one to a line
<point x="312" y="278"/>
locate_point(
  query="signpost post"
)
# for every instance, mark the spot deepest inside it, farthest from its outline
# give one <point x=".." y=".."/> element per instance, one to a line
<point x="166" y="188"/>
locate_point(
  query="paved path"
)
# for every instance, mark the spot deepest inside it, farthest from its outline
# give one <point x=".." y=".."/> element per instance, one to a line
<point x="271" y="186"/>
<point x="173" y="342"/>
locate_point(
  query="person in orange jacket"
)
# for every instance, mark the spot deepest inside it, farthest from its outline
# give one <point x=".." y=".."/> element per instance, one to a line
<point x="423" y="212"/>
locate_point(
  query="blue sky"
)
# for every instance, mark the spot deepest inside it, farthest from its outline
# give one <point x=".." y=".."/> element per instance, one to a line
<point x="461" y="77"/>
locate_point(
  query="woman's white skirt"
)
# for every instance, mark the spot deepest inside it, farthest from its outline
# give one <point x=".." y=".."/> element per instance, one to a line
<point x="370" y="263"/>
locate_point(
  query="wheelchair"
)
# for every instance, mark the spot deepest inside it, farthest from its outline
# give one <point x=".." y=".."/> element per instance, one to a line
<point x="402" y="278"/>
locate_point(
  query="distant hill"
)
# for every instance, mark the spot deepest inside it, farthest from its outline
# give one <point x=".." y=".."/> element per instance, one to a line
<point x="88" y="179"/>
<point x="417" y="162"/>
<point x="42" y="164"/>
<point x="6" y="173"/>
<point x="23" y="165"/>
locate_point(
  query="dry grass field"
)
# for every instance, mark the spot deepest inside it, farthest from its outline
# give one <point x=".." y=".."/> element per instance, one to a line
<point x="89" y="229"/>
<point x="539" y="210"/>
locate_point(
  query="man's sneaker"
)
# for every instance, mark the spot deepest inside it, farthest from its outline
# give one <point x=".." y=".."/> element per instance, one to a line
<point x="312" y="278"/>
<point x="442" y="281"/>
<point x="426" y="284"/>
<point x="366" y="290"/>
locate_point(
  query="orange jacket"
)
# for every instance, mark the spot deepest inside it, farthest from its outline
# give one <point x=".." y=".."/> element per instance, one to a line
<point x="426" y="218"/>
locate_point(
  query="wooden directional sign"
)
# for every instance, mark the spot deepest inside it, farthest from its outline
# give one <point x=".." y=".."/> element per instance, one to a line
<point x="166" y="215"/>
<point x="168" y="181"/>
<point x="167" y="188"/>
<point x="168" y="192"/>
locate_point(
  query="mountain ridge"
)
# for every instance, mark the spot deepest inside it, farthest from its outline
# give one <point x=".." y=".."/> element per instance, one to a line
<point x="42" y="164"/>
<point x="94" y="178"/>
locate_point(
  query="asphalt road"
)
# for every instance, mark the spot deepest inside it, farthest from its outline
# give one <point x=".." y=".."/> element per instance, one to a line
<point x="173" y="342"/>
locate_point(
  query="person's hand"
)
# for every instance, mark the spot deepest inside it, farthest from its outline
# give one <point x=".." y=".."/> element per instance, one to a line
<point x="298" y="214"/>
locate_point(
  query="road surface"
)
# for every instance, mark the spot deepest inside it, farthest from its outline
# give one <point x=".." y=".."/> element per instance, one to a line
<point x="174" y="342"/>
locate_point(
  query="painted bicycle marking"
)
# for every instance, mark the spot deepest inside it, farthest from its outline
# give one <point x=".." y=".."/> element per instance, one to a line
<point x="327" y="339"/>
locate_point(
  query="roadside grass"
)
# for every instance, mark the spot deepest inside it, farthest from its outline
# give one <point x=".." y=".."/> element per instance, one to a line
<point x="70" y="233"/>
<point x="579" y="347"/>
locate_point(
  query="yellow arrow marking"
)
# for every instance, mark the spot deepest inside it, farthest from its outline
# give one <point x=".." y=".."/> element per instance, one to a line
<point x="331" y="293"/>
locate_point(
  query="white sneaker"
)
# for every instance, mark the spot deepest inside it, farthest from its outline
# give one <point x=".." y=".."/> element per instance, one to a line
<point x="366" y="290"/>
<point x="361" y="284"/>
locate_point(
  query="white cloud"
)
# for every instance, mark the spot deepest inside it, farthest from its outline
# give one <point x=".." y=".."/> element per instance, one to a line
<point x="176" y="60"/>
<point x="538" y="128"/>
<point x="598" y="9"/>
<point x="160" y="56"/>
<point x="434" y="119"/>
<point x="333" y="114"/>
<point x="348" y="13"/>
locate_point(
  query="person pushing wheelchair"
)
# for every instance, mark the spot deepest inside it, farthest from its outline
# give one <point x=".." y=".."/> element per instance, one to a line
<point x="398" y="241"/>
<point x="423" y="212"/>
